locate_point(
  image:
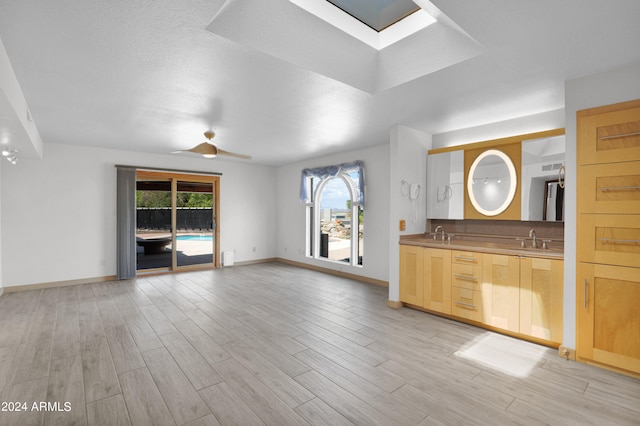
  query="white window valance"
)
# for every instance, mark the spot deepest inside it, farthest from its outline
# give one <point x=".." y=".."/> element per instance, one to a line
<point x="330" y="172"/>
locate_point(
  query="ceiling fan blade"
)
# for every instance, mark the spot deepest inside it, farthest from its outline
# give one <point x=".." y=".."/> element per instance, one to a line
<point x="204" y="148"/>
<point x="233" y="154"/>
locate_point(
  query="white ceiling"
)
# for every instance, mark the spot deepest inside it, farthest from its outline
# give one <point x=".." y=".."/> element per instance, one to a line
<point x="151" y="76"/>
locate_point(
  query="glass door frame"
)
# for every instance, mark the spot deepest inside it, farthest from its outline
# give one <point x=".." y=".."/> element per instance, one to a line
<point x="185" y="177"/>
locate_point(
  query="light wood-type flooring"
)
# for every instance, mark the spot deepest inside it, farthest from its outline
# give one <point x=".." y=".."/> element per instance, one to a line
<point x="278" y="345"/>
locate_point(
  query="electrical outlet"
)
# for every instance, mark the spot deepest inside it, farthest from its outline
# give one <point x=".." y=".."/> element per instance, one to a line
<point x="403" y="224"/>
<point x="254" y="249"/>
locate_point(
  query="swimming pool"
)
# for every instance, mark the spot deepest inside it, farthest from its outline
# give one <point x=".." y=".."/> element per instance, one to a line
<point x="194" y="238"/>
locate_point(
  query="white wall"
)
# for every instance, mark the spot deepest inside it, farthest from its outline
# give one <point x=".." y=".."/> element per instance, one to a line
<point x="58" y="214"/>
<point x="291" y="218"/>
<point x="1" y="280"/>
<point x="619" y="85"/>
<point x="407" y="162"/>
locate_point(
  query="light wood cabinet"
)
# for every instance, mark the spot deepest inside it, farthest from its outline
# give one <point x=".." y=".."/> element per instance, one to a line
<point x="412" y="275"/>
<point x="500" y="291"/>
<point x="541" y="298"/>
<point x="609" y="134"/>
<point x="610" y="188"/>
<point x="520" y="295"/>
<point x="437" y="280"/>
<point x="466" y="303"/>
<point x="608" y="315"/>
<point x="466" y="285"/>
<point x="608" y="240"/>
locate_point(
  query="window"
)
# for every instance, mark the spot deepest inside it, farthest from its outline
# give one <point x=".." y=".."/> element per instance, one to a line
<point x="377" y="15"/>
<point x="335" y="211"/>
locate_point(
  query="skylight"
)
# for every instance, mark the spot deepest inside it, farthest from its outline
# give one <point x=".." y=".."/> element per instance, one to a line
<point x="378" y="14"/>
<point x="378" y="23"/>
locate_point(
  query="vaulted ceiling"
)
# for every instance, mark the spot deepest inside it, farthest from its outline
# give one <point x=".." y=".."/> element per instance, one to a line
<point x="282" y="85"/>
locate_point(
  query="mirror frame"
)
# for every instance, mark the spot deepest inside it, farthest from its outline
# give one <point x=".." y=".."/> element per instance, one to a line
<point x="513" y="182"/>
<point x="512" y="150"/>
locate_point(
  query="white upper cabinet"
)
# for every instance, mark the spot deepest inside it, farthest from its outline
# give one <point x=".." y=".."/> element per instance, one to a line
<point x="445" y="185"/>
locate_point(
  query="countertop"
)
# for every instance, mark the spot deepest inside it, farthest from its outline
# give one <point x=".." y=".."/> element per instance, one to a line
<point x="504" y="246"/>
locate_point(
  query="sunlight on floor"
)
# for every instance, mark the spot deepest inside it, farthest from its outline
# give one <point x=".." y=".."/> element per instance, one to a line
<point x="504" y="354"/>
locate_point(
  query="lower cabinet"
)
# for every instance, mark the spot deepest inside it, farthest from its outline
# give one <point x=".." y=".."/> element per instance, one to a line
<point x="608" y="315"/>
<point x="521" y="295"/>
<point x="425" y="278"/>
<point x="541" y="296"/>
<point x="466" y="285"/>
<point x="437" y="280"/>
<point x="411" y="275"/>
<point x="501" y="291"/>
<point x="466" y="303"/>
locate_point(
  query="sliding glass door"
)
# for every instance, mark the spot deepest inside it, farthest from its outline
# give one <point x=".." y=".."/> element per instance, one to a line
<point x="176" y="221"/>
<point x="195" y="223"/>
<point x="153" y="223"/>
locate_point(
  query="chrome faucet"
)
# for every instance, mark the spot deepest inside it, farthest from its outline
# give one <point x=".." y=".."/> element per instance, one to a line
<point x="435" y="234"/>
<point x="532" y="235"/>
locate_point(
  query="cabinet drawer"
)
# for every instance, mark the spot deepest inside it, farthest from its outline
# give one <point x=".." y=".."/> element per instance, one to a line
<point x="466" y="303"/>
<point x="610" y="188"/>
<point x="466" y="257"/>
<point x="466" y="276"/>
<point x="609" y="137"/>
<point x="609" y="239"/>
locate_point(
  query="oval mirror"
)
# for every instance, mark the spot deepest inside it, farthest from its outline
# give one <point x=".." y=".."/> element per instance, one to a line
<point x="492" y="182"/>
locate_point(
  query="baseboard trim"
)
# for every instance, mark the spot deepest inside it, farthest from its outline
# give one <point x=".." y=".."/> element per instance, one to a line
<point x="253" y="262"/>
<point x="333" y="272"/>
<point x="394" y="304"/>
<point x="39" y="286"/>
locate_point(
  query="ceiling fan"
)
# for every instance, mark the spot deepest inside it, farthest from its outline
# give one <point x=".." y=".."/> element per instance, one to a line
<point x="209" y="150"/>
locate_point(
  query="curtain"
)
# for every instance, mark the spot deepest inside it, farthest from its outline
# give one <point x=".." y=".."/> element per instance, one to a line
<point x="332" y="171"/>
<point x="126" y="222"/>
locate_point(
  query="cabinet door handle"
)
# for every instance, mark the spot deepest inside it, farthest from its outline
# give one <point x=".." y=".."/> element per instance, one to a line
<point x="465" y="305"/>
<point x="619" y="188"/>
<point x="616" y="241"/>
<point x="624" y="135"/>
<point x="466" y="278"/>
<point x="467" y="258"/>
<point x="585" y="293"/>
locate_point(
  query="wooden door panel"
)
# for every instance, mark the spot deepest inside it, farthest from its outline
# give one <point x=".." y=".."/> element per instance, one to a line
<point x="500" y="291"/>
<point x="437" y="280"/>
<point x="609" y="137"/>
<point x="610" y="188"/>
<point x="609" y="239"/>
<point x="411" y="275"/>
<point x="608" y="315"/>
<point x="541" y="298"/>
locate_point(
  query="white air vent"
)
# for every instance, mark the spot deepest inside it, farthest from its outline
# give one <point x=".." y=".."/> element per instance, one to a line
<point x="548" y="167"/>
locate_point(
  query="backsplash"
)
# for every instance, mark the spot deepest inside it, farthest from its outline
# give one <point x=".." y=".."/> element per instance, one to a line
<point x="544" y="230"/>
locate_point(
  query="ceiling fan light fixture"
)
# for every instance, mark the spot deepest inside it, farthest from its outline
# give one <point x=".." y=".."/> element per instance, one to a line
<point x="209" y="150"/>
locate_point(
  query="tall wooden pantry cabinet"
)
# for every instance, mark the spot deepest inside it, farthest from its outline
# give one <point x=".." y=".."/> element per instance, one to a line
<point x="608" y="237"/>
